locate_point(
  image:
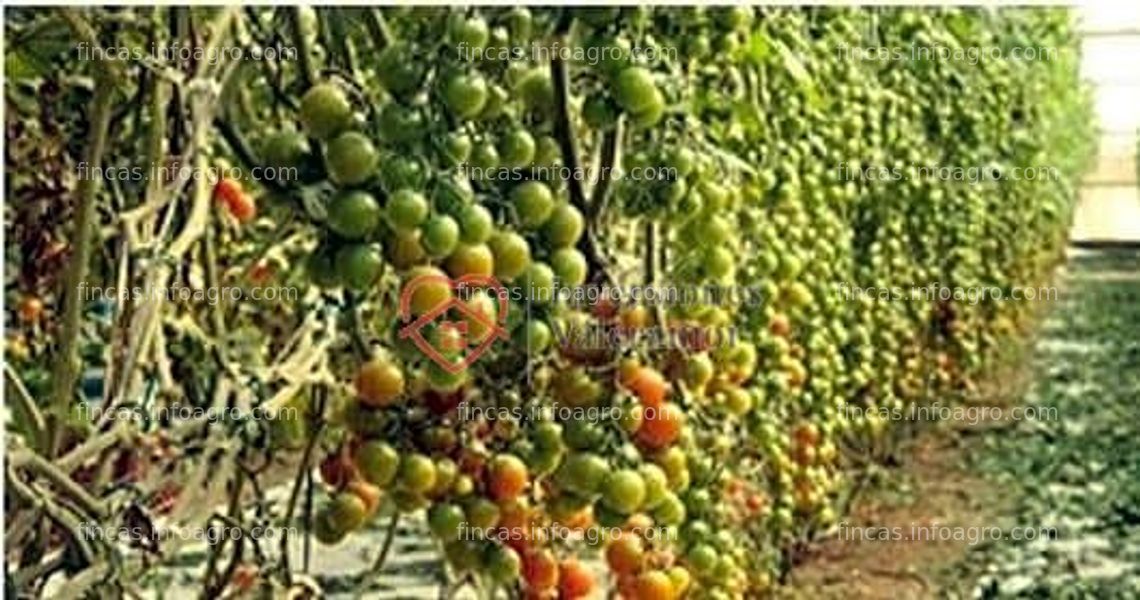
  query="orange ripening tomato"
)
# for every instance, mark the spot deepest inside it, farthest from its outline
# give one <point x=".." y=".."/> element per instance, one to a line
<point x="624" y="555"/>
<point x="577" y="581"/>
<point x="515" y="524"/>
<point x="30" y="309"/>
<point x="227" y="191"/>
<point x="581" y="520"/>
<point x="369" y="494"/>
<point x="507" y="477"/>
<point x="649" y="385"/>
<point x="540" y="569"/>
<point x="661" y="427"/>
<point x="634" y="318"/>
<point x="245" y="575"/>
<point x="243" y="209"/>
<point x="653" y="585"/>
<point x="260" y="272"/>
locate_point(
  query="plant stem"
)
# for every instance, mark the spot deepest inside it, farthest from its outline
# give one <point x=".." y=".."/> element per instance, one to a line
<point x="378" y="27"/>
<point x="302" y="470"/>
<point x="211" y="586"/>
<point x="389" y="537"/>
<point x="564" y="130"/>
<point x="24" y="409"/>
<point x="611" y="158"/>
<point x="67" y="357"/>
<point x="567" y="142"/>
<point x="304" y="54"/>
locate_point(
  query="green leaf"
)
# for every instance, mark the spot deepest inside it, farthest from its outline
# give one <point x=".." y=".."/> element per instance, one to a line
<point x="758" y="47"/>
<point x="19" y="68"/>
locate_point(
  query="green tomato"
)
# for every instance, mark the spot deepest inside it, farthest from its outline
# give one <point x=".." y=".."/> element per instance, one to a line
<point x="446" y="471"/>
<point x="401" y="124"/>
<point x="284" y="150"/>
<point x="714" y="230"/>
<point x="516" y="149"/>
<point x="656" y="484"/>
<point x="399" y="172"/>
<point x="470" y="34"/>
<point x="682" y="160"/>
<point x="569" y="267"/>
<point x="717" y="199"/>
<point x="325" y="111"/>
<point x="548" y="434"/>
<point x="699" y="370"/>
<point x="692" y="204"/>
<point x="536" y="90"/>
<point x="719" y="262"/>
<point x="476" y="224"/>
<point x="651" y="113"/>
<point x="463" y="555"/>
<point x="471" y="259"/>
<point x="482" y="513"/>
<point x="520" y="23"/>
<point x="398" y="69"/>
<point x="700" y="501"/>
<point x="538" y="282"/>
<point x="534" y="335"/>
<point x="703" y="558"/>
<point x="353" y="214"/>
<point x="445" y="521"/>
<point x="565" y="226"/>
<point x="739" y="17"/>
<point x="484" y="160"/>
<point x="624" y="491"/>
<point x="377" y="462"/>
<point x="457" y="149"/>
<point x="351" y="159"/>
<point x="359" y="265"/>
<point x="416" y="474"/>
<point x="582" y="473"/>
<point x="544" y="461"/>
<point x="440" y="235"/>
<point x="502" y="564"/>
<point x="634" y="89"/>
<point x="497" y="102"/>
<point x="548" y="152"/>
<point x="347" y="511"/>
<point x="407" y="210"/>
<point x="584" y="435"/>
<point x="533" y="202"/>
<point x="326" y="531"/>
<point x="465" y="95"/>
<point x="671" y="511"/>
<point x="452" y="194"/>
<point x="442" y="380"/>
<point x="512" y="254"/>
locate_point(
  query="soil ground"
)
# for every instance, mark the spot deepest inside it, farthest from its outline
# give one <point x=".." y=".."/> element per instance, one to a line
<point x="1073" y="476"/>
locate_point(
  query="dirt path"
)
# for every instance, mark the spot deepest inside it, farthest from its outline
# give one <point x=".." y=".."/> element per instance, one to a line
<point x="1045" y="507"/>
<point x="892" y="546"/>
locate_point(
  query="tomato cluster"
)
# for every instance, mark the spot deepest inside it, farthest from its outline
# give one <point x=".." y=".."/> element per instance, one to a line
<point x="695" y="463"/>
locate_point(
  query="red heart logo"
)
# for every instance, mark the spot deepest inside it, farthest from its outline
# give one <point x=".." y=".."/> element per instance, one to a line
<point x="414" y="330"/>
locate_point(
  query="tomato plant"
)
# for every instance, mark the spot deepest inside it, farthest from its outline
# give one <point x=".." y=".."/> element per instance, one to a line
<point x="729" y="161"/>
